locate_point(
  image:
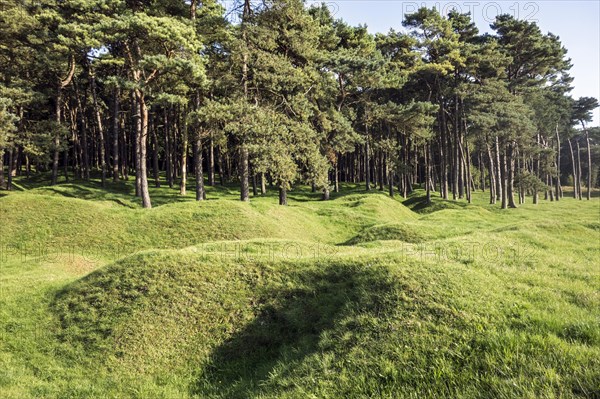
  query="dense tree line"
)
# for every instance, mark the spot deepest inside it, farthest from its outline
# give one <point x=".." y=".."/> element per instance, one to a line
<point x="275" y="94"/>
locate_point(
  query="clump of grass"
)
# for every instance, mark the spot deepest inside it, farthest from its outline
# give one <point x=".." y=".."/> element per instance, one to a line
<point x="391" y="231"/>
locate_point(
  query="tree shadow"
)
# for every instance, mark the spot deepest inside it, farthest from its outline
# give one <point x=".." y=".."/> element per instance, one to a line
<point x="289" y="326"/>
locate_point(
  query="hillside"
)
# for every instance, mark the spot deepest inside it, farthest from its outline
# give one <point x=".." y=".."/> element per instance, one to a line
<point x="361" y="296"/>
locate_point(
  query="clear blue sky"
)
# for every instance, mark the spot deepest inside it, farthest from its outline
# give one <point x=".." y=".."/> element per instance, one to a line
<point x="577" y="23"/>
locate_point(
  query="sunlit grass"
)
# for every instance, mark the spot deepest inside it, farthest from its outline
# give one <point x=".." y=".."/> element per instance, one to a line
<point x="361" y="296"/>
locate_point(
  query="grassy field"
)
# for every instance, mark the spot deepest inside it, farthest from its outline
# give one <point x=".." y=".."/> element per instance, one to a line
<point x="363" y="296"/>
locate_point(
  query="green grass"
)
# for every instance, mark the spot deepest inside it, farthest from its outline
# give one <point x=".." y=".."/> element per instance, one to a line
<point x="362" y="296"/>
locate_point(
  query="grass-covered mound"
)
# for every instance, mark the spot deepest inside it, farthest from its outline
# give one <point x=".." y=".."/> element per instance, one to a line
<point x="60" y="222"/>
<point x="185" y="324"/>
<point x="404" y="232"/>
<point x="447" y="301"/>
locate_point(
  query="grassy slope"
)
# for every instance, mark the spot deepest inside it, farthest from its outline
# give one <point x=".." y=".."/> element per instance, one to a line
<point x="357" y="297"/>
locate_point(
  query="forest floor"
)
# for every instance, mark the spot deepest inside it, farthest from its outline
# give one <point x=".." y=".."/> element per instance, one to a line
<point x="362" y="296"/>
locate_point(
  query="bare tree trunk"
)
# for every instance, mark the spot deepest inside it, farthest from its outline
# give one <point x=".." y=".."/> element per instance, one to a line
<point x="211" y="162"/>
<point x="575" y="195"/>
<point x="579" y="188"/>
<point x="2" y="182"/>
<point x="142" y="138"/>
<point x="511" y="175"/>
<point x="282" y="195"/>
<point x="56" y="139"/>
<point x="244" y="174"/>
<point x="492" y="176"/>
<point x="137" y="128"/>
<point x="254" y="184"/>
<point x="155" y="168"/>
<point x="499" y="174"/>
<point x="200" y="193"/>
<point x="10" y="166"/>
<point x="504" y="179"/>
<point x="115" y="132"/>
<point x="380" y="171"/>
<point x="467" y="181"/>
<point x="367" y="164"/>
<point x="558" y="186"/>
<point x="100" y="128"/>
<point x="168" y="147"/>
<point x="184" y="156"/>
<point x="428" y="173"/>
<point x="589" y="154"/>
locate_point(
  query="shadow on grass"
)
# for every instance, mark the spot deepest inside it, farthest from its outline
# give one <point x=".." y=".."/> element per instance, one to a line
<point x="289" y="327"/>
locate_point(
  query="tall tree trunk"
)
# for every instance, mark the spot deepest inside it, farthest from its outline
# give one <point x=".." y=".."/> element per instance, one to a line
<point x="427" y="174"/>
<point x="155" y="167"/>
<point x="367" y="164"/>
<point x="100" y="128"/>
<point x="56" y="138"/>
<point x="200" y="193"/>
<point x="115" y="134"/>
<point x="380" y="170"/>
<point x="263" y="184"/>
<point x="589" y="154"/>
<point x="282" y="195"/>
<point x="168" y="148"/>
<point x="511" y="175"/>
<point x="11" y="152"/>
<point x="244" y="174"/>
<point x="492" y="175"/>
<point x="500" y="191"/>
<point x="221" y="168"/>
<point x="2" y="182"/>
<point x="504" y="179"/>
<point x="211" y="161"/>
<point x="467" y="180"/>
<point x="135" y="140"/>
<point x="579" y="188"/>
<point x="141" y="142"/>
<point x="575" y="195"/>
<point x="254" y="184"/>
<point x="184" y="156"/>
<point x="558" y="185"/>
<point x="336" y="177"/>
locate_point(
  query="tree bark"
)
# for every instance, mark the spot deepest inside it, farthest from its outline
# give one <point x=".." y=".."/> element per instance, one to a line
<point x="155" y="167"/>
<point x="579" y="188"/>
<point x="589" y="154"/>
<point x="184" y="156"/>
<point x="575" y="195"/>
<point x="492" y="175"/>
<point x="100" y="129"/>
<point x="2" y="182"/>
<point x="244" y="174"/>
<point x="367" y="165"/>
<point x="558" y="186"/>
<point x="282" y="195"/>
<point x="499" y="173"/>
<point x="200" y="193"/>
<point x="115" y="134"/>
<point x="56" y="139"/>
<point x="211" y="162"/>
<point x="141" y="141"/>
<point x="511" y="175"/>
<point x="10" y="165"/>
<point x="168" y="148"/>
